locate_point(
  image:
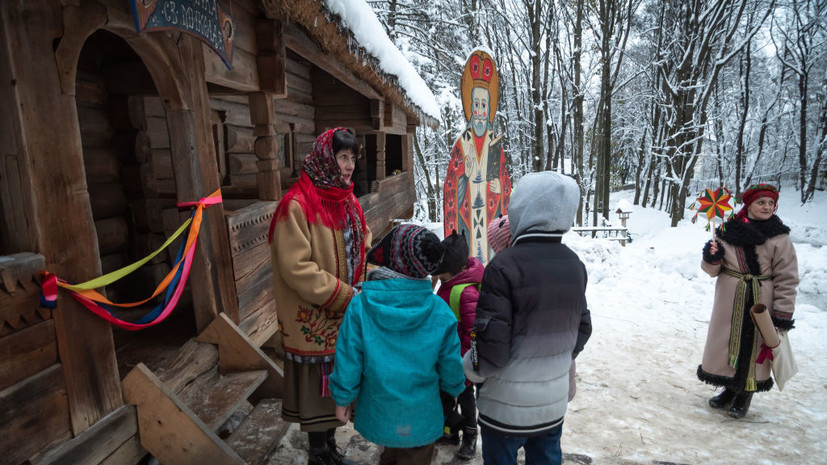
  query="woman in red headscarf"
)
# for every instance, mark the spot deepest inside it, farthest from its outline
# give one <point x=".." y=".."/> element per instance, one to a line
<point x="754" y="261"/>
<point x="317" y="243"/>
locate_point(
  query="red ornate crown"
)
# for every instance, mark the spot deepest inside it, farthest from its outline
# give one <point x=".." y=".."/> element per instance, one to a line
<point x="481" y="71"/>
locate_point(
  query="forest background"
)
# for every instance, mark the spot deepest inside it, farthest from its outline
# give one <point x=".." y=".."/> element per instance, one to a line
<point x="667" y="97"/>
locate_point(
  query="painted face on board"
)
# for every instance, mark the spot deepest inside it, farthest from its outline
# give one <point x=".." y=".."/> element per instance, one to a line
<point x="479" y="110"/>
<point x="761" y="208"/>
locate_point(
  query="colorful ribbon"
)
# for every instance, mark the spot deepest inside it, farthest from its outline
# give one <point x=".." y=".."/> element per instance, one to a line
<point x="174" y="282"/>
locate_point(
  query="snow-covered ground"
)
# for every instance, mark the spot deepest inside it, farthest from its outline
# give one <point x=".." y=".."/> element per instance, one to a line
<point x="638" y="400"/>
<point x="638" y="397"/>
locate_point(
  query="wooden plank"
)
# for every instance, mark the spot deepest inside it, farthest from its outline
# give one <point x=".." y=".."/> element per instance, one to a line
<point x="41" y="397"/>
<point x="113" y="235"/>
<point x="214" y="400"/>
<point x="342" y="96"/>
<point x="303" y="125"/>
<point x="294" y="94"/>
<point x="238" y="353"/>
<point x="239" y="139"/>
<point x="193" y="153"/>
<point x="249" y="261"/>
<point x="20" y="269"/>
<point x="298" y="41"/>
<point x="95" y="128"/>
<point x="112" y="262"/>
<point x="257" y="437"/>
<point x="27" y="352"/>
<point x="97" y="442"/>
<point x="260" y="324"/>
<point x="242" y="77"/>
<point x="157" y="132"/>
<point x="64" y="226"/>
<point x="101" y="165"/>
<point x="17" y="226"/>
<point x="245" y="36"/>
<point x="108" y="200"/>
<point x="271" y="56"/>
<point x="243" y="163"/>
<point x="169" y="429"/>
<point x="298" y="68"/>
<point x="295" y="109"/>
<point x="235" y="113"/>
<point x="191" y="361"/>
<point x="245" y="183"/>
<point x="130" y="452"/>
<point x="147" y="214"/>
<point x="346" y="111"/>
<point x="248" y="227"/>
<point x="258" y="289"/>
<point x="268" y="179"/>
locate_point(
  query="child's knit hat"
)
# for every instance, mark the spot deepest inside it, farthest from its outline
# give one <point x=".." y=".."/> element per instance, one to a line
<point x="408" y="249"/>
<point x="456" y="253"/>
<point x="499" y="236"/>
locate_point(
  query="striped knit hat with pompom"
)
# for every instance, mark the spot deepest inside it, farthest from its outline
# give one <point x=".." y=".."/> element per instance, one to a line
<point x="408" y="249"/>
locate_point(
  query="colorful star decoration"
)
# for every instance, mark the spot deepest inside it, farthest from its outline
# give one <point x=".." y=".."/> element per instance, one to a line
<point x="714" y="203"/>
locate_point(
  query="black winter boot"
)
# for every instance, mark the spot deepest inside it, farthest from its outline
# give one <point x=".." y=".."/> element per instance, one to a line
<point x="740" y="406"/>
<point x="723" y="399"/>
<point x="468" y="449"/>
<point x="336" y="456"/>
<point x="318" y="452"/>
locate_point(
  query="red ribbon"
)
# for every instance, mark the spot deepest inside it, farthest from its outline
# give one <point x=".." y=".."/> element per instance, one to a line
<point x="765" y="353"/>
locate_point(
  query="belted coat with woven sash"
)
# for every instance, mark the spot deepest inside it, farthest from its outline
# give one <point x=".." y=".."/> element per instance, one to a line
<point x="758" y="264"/>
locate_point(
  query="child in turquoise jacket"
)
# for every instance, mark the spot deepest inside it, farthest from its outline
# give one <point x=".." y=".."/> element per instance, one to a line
<point x="397" y="348"/>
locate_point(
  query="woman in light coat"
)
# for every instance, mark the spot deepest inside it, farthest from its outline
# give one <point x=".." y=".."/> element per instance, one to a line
<point x="317" y="244"/>
<point x="753" y="261"/>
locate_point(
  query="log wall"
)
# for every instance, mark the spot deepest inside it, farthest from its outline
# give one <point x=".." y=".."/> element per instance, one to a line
<point x="31" y="377"/>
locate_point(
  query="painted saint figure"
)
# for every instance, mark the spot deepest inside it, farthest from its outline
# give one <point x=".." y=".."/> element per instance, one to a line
<point x="477" y="185"/>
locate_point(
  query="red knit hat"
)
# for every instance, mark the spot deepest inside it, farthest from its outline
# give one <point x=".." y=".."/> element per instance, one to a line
<point x="755" y="192"/>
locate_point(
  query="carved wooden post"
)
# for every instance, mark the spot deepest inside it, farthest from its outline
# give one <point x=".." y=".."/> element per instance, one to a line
<point x="196" y="175"/>
<point x="266" y="146"/>
<point x="380" y="155"/>
<point x="52" y="192"/>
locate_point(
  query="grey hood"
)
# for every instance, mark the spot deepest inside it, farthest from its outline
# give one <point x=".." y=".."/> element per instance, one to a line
<point x="543" y="202"/>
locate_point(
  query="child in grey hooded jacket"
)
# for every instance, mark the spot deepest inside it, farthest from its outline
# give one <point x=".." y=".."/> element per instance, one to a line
<point x="531" y="318"/>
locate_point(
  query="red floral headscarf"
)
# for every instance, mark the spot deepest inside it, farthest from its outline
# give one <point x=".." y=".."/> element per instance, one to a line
<point x="324" y="196"/>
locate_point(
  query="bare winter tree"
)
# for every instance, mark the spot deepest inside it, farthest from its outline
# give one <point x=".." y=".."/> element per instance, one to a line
<point x="800" y="37"/>
<point x="703" y="36"/>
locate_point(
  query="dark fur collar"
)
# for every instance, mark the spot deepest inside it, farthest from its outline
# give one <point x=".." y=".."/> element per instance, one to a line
<point x="753" y="233"/>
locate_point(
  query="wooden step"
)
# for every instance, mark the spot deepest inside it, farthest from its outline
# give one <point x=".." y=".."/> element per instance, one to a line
<point x="192" y="360"/>
<point x="215" y="398"/>
<point x="257" y="437"/>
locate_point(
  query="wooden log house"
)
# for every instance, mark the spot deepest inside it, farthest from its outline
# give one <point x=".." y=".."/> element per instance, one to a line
<point x="103" y="131"/>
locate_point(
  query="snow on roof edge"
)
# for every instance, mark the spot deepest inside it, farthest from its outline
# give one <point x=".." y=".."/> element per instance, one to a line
<point x="361" y="21"/>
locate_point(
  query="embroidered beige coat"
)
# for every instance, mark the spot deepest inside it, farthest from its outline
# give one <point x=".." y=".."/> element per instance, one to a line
<point x="777" y="259"/>
<point x="310" y="280"/>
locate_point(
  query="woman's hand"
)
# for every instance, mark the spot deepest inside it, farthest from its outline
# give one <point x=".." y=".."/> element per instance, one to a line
<point x="713" y="252"/>
<point x="343" y="413"/>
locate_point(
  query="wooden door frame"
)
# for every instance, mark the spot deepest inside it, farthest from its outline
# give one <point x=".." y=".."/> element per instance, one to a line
<point x="50" y="182"/>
